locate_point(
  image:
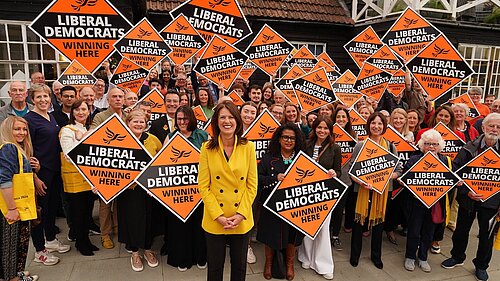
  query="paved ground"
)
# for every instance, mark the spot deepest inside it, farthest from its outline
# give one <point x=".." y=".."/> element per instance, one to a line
<point x="114" y="264"/>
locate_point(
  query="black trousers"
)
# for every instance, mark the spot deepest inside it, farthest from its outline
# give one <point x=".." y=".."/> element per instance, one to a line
<point x="216" y="255"/>
<point x="80" y="206"/>
<point x="49" y="204"/>
<point x="350" y="207"/>
<point x="460" y="237"/>
<point x="336" y="221"/>
<point x="376" y="243"/>
<point x="420" y="232"/>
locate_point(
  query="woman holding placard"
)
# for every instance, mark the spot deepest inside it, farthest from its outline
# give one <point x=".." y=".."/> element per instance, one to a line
<point x="186" y="240"/>
<point x="421" y="220"/>
<point x="371" y="206"/>
<point x="276" y="234"/>
<point x="16" y="166"/>
<point x="205" y="100"/>
<point x="461" y="111"/>
<point x="317" y="253"/>
<point x="134" y="204"/>
<point x="341" y="118"/>
<point x="227" y="181"/>
<point x="81" y="198"/>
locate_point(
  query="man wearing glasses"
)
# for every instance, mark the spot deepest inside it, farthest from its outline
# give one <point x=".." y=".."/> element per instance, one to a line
<point x="68" y="97"/>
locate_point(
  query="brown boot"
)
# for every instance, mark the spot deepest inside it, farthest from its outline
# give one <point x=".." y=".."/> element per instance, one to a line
<point x="290" y="257"/>
<point x="269" y="262"/>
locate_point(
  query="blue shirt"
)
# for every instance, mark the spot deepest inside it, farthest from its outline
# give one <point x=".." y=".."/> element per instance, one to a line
<point x="45" y="140"/>
<point x="9" y="164"/>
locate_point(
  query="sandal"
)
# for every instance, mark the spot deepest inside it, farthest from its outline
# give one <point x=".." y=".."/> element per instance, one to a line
<point x="392" y="238"/>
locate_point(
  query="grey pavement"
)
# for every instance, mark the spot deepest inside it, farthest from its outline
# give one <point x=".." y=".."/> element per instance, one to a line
<point x="114" y="264"/>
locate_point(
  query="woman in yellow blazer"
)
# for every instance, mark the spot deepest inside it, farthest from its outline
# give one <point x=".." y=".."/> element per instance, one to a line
<point x="227" y="181"/>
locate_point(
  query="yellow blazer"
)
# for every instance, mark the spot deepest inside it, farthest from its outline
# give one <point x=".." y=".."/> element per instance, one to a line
<point x="227" y="187"/>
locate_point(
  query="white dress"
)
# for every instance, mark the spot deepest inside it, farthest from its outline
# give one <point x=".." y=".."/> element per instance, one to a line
<point x="317" y="253"/>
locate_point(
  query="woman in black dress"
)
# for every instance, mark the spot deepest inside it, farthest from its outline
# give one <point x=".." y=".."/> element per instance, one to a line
<point x="275" y="233"/>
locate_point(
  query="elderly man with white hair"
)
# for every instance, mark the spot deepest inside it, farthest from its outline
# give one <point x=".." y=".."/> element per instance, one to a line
<point x="420" y="221"/>
<point x="18" y="105"/>
<point x="471" y="206"/>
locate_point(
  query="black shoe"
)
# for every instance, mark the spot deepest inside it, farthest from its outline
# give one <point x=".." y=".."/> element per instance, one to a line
<point x="94" y="229"/>
<point x="379" y="264"/>
<point x="354" y="262"/>
<point x="481" y="275"/>
<point x="86" y="252"/>
<point x="163" y="250"/>
<point x="93" y="247"/>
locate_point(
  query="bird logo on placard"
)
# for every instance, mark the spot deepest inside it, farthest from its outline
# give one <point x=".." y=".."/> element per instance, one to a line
<point x="154" y="104"/>
<point x="303" y="174"/>
<point x="443" y="134"/>
<point x="75" y="69"/>
<point x="216" y="49"/>
<point x="180" y="27"/>
<point x="266" y="38"/>
<point x="428" y="165"/>
<point x="178" y="154"/>
<point x="396" y="143"/>
<point x="354" y="119"/>
<point x="370" y="151"/>
<point x="439" y="51"/>
<point x="215" y="3"/>
<point x="265" y="129"/>
<point x="383" y="54"/>
<point x="349" y="79"/>
<point x="303" y="54"/>
<point x="318" y="79"/>
<point x="197" y="115"/>
<point x="126" y="66"/>
<point x="367" y="37"/>
<point x="112" y="137"/>
<point x="295" y="74"/>
<point x="410" y="22"/>
<point x="337" y="136"/>
<point x="368" y="71"/>
<point x="83" y="3"/>
<point x="143" y="33"/>
<point x="487" y="161"/>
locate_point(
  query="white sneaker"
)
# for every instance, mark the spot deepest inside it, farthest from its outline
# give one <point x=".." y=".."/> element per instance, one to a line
<point x="45" y="258"/>
<point x="56" y="246"/>
<point x="328" y="276"/>
<point x="424" y="265"/>
<point x="409" y="264"/>
<point x="250" y="256"/>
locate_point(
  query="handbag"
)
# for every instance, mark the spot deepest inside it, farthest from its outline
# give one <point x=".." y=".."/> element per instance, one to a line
<point x="437" y="213"/>
<point x="278" y="268"/>
<point x="23" y="191"/>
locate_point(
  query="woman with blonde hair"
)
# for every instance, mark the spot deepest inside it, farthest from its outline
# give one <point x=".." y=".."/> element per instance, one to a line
<point x="15" y="150"/>
<point x="399" y="120"/>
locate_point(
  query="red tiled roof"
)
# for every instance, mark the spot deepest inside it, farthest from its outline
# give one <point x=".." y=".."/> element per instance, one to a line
<point x="329" y="11"/>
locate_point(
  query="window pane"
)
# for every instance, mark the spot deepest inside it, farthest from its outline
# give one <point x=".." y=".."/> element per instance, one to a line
<point x="34" y="52"/>
<point x="4" y="71"/>
<point x="34" y="68"/>
<point x="31" y="36"/>
<point x="16" y="51"/>
<point x="3" y="52"/>
<point x="48" y="52"/>
<point x="3" y="35"/>
<point x="50" y="71"/>
<point x="18" y="67"/>
<point x="15" y="33"/>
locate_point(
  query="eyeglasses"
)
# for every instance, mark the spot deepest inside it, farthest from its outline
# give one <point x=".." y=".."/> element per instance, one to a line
<point x="182" y="119"/>
<point x="431" y="144"/>
<point x="288" y="138"/>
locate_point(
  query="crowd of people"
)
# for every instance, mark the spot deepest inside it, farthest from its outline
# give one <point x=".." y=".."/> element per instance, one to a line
<point x="41" y="125"/>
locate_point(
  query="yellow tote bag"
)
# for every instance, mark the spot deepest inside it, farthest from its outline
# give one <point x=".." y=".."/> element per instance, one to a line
<point x="23" y="190"/>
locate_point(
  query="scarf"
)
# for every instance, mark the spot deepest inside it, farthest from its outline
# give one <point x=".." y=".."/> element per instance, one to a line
<point x="377" y="208"/>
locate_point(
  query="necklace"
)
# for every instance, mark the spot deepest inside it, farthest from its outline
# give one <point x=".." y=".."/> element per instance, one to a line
<point x="288" y="160"/>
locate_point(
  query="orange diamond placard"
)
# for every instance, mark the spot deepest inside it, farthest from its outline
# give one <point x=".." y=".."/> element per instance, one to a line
<point x="345" y="141"/>
<point x="365" y="44"/>
<point x="397" y="83"/>
<point x="465" y="99"/>
<point x="215" y="17"/>
<point x="110" y="158"/>
<point x="221" y="62"/>
<point x="313" y="90"/>
<point x="324" y="56"/>
<point x="439" y="67"/>
<point x="453" y="143"/>
<point x="404" y="148"/>
<point x="303" y="58"/>
<point x="184" y="40"/>
<point x="372" y="81"/>
<point x="201" y="118"/>
<point x="374" y="165"/>
<point x="155" y="98"/>
<point x="261" y="132"/>
<point x="482" y="174"/>
<point x="343" y="88"/>
<point x="331" y="73"/>
<point x="143" y="45"/>
<point x="247" y="70"/>
<point x="429" y="179"/>
<point x="306" y="196"/>
<point x="285" y="86"/>
<point x="358" y="124"/>
<point x="129" y="75"/>
<point x="77" y="76"/>
<point x="385" y="59"/>
<point x="409" y="34"/>
<point x="81" y="30"/>
<point x="172" y="177"/>
<point x="237" y="100"/>
<point x="268" y="50"/>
